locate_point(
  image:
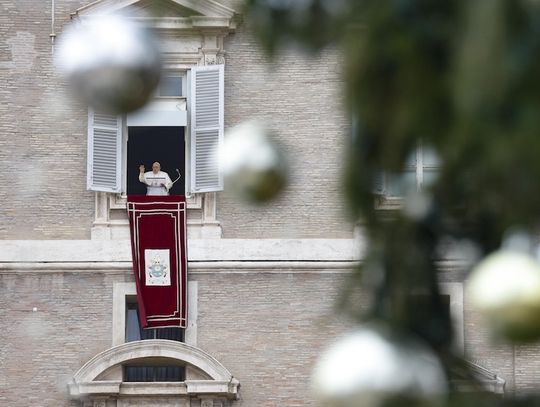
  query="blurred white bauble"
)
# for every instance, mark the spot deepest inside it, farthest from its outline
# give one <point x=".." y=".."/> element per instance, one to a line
<point x="369" y="367"/>
<point x="505" y="287"/>
<point x="110" y="62"/>
<point x="253" y="165"/>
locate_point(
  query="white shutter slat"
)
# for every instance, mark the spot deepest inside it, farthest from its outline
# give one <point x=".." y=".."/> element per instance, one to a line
<point x="104" y="152"/>
<point x="207" y="174"/>
<point x="206" y="127"/>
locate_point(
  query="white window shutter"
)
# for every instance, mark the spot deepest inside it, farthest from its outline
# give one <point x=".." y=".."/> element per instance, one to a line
<point x="206" y="117"/>
<point x="104" y="170"/>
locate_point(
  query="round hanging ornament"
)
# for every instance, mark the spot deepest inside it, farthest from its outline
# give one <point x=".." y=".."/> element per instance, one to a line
<point x="370" y="367"/>
<point x="110" y="62"/>
<point x="253" y="164"/>
<point x="505" y="288"/>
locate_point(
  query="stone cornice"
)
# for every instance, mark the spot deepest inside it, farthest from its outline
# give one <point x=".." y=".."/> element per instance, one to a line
<point x="207" y="15"/>
<point x="223" y="267"/>
<point x="203" y="7"/>
<point x="204" y="256"/>
<point x="203" y="24"/>
<point x="199" y="250"/>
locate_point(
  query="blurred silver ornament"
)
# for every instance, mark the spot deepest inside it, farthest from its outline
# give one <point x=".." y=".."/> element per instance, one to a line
<point x="110" y="62"/>
<point x="369" y="367"/>
<point x="253" y="165"/>
<point x="505" y="288"/>
<point x="417" y="204"/>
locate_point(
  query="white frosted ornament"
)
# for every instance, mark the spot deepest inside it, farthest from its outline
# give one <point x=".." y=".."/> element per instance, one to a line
<point x="505" y="288"/>
<point x="110" y="63"/>
<point x="253" y="165"/>
<point x="369" y="367"/>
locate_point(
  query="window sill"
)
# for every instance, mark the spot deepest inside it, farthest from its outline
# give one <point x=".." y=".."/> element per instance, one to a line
<point x="389" y="203"/>
<point x="188" y="388"/>
<point x="111" y="223"/>
<point x="119" y="201"/>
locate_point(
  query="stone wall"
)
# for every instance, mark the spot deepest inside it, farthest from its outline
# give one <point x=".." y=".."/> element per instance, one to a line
<point x="42" y="349"/>
<point x="300" y="97"/>
<point x="266" y="328"/>
<point x="43" y="135"/>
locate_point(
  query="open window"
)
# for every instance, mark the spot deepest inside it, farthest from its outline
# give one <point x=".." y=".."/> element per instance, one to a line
<point x="181" y="132"/>
<point x="190" y="96"/>
<point x="147" y="144"/>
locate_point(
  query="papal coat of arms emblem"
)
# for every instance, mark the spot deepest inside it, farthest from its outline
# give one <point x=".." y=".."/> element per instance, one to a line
<point x="157" y="266"/>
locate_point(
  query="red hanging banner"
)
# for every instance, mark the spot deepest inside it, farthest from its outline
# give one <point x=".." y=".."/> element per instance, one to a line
<point x="158" y="245"/>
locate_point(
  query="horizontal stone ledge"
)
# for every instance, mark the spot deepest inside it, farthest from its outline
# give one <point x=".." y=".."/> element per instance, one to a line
<point x="231" y="267"/>
<point x="199" y="250"/>
<point x="101" y="387"/>
<point x="214" y="267"/>
<point x="204" y="255"/>
<point x="187" y="388"/>
<point x="153" y="388"/>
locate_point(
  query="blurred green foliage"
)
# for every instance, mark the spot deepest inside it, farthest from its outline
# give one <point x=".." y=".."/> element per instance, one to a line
<point x="459" y="75"/>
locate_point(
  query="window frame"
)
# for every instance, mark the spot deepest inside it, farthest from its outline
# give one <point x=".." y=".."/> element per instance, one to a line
<point x="122" y="292"/>
<point x="153" y="373"/>
<point x="154" y="370"/>
<point x="182" y="73"/>
<point x="388" y="201"/>
<point x="195" y="162"/>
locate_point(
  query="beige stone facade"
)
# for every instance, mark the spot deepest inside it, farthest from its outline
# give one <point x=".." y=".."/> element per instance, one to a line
<point x="264" y="321"/>
<point x="263" y="281"/>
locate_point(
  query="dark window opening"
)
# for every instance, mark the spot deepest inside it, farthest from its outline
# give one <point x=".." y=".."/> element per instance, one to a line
<point x="154" y="373"/>
<point x="147" y="145"/>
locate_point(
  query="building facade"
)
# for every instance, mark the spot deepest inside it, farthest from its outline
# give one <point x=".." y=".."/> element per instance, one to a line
<point x="263" y="281"/>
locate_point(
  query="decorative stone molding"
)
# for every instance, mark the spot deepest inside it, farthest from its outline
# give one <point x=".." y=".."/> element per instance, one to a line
<point x="192" y="33"/>
<point x="87" y="386"/>
<point x="488" y="380"/>
<point x="152" y="348"/>
<point x="111" y="222"/>
<point x="191" y="13"/>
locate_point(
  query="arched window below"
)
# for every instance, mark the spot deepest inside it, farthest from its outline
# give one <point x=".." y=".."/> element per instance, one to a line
<point x="94" y="385"/>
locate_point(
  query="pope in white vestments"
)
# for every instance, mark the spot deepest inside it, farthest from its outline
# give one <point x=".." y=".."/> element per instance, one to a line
<point x="157" y="181"/>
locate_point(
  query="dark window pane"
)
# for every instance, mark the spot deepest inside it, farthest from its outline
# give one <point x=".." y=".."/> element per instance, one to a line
<point x="148" y="334"/>
<point x="132" y="326"/>
<point x="172" y="334"/>
<point x="154" y="373"/>
<point x="135" y="333"/>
